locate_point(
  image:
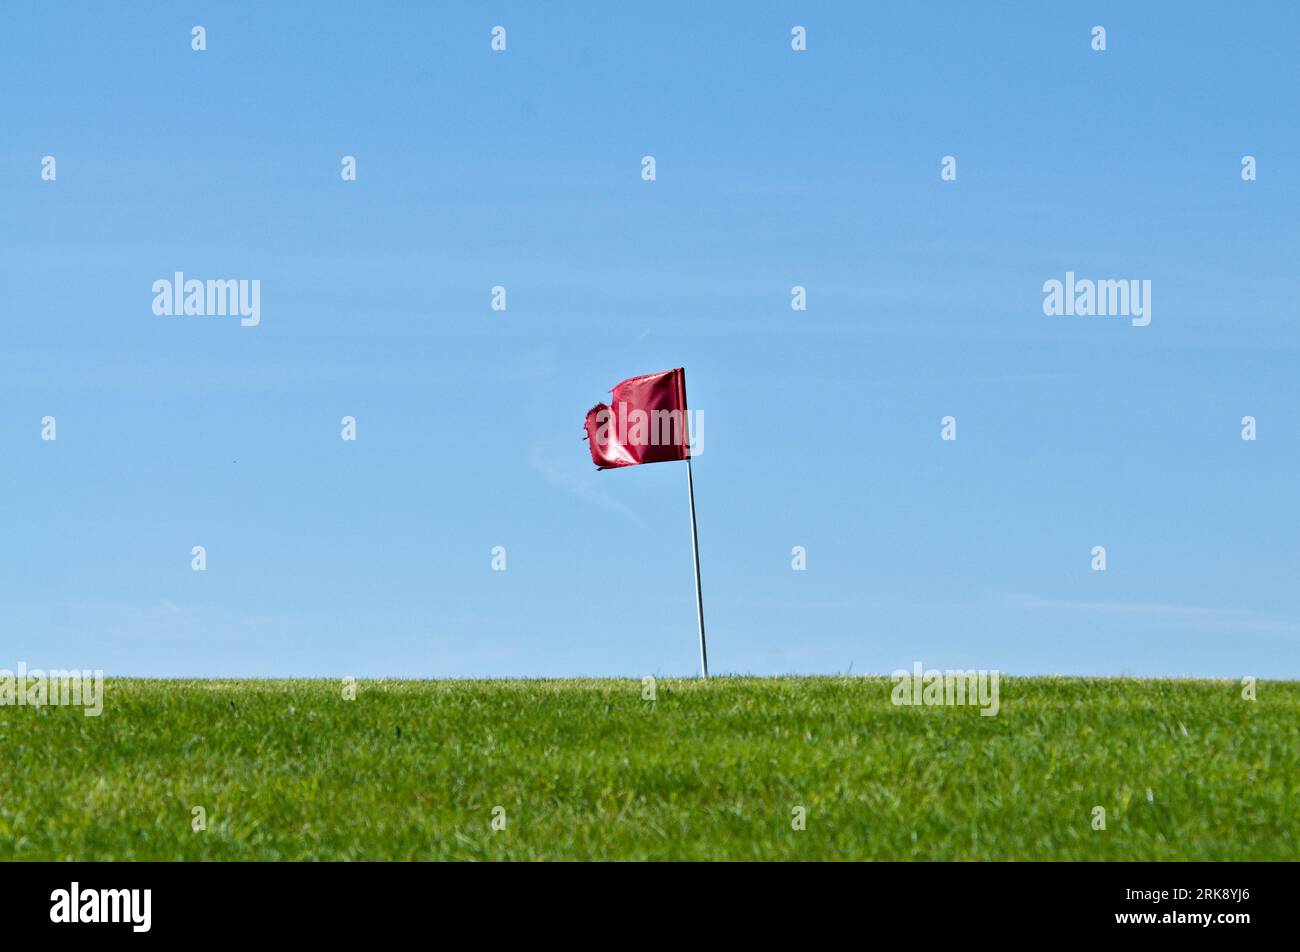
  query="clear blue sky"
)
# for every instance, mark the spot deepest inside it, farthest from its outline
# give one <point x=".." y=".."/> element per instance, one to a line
<point x="775" y="168"/>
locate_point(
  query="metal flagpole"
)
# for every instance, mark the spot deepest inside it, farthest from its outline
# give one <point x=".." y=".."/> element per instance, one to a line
<point x="695" y="545"/>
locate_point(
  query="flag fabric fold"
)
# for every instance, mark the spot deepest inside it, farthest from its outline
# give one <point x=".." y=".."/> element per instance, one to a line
<point x="644" y="422"/>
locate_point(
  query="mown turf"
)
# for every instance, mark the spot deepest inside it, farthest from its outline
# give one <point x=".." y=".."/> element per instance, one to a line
<point x="587" y="769"/>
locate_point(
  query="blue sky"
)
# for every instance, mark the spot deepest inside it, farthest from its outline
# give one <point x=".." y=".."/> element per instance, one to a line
<point x="774" y="168"/>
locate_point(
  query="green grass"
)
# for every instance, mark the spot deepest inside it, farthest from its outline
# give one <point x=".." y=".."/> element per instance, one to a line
<point x="587" y="769"/>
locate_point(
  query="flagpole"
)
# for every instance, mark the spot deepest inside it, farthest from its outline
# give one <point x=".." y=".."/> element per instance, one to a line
<point x="695" y="545"/>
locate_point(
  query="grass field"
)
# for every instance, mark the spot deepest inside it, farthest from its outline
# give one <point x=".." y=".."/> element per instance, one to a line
<point x="587" y="769"/>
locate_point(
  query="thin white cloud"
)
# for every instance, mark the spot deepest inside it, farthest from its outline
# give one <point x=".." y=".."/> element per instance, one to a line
<point x="576" y="484"/>
<point x="1245" y="619"/>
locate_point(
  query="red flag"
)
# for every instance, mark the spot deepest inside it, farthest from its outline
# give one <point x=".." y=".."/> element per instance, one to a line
<point x="644" y="422"/>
